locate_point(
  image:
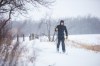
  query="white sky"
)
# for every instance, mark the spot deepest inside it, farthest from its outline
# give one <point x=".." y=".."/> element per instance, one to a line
<point x="77" y="8"/>
<point x="67" y="8"/>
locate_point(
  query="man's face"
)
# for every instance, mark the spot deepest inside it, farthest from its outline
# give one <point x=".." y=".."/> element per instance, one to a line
<point x="62" y="23"/>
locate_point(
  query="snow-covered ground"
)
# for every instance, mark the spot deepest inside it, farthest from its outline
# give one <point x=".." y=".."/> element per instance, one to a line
<point x="37" y="53"/>
<point x="92" y="39"/>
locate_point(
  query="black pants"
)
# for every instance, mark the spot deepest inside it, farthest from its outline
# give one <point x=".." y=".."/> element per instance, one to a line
<point x="63" y="44"/>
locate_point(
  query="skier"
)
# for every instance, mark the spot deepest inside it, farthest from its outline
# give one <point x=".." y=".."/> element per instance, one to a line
<point x="61" y="29"/>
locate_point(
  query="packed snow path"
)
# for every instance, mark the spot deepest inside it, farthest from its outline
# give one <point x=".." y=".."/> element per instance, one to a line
<point x="37" y="53"/>
<point x="48" y="56"/>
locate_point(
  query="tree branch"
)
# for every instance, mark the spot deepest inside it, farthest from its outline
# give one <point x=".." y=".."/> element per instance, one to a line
<point x="5" y="22"/>
<point x="3" y="2"/>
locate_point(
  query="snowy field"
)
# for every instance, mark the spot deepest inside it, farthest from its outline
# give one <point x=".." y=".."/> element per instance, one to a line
<point x="43" y="53"/>
<point x="92" y="39"/>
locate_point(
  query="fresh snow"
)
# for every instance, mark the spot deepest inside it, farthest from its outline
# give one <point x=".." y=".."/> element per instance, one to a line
<point x="92" y="39"/>
<point x="46" y="54"/>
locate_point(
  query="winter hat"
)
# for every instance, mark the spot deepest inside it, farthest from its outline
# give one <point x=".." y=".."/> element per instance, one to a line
<point x="62" y="21"/>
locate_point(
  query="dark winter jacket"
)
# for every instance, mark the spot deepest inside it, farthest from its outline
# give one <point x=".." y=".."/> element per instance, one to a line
<point x="61" y="30"/>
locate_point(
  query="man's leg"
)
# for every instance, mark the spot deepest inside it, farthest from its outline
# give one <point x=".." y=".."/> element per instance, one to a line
<point x="58" y="44"/>
<point x="63" y="46"/>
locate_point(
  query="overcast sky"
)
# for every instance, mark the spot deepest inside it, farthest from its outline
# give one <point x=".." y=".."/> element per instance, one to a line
<point x="76" y="8"/>
<point x="67" y="8"/>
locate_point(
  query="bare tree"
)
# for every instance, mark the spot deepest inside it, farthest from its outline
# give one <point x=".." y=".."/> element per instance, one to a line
<point x="48" y="23"/>
<point x="12" y="6"/>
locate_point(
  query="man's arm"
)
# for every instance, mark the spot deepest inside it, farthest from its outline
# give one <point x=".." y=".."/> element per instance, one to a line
<point x="56" y="29"/>
<point x="66" y="32"/>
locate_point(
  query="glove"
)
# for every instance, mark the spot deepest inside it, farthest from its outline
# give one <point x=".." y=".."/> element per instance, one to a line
<point x="56" y="29"/>
<point x="66" y="37"/>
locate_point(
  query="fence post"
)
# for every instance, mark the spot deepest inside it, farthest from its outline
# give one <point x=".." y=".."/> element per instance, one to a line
<point x="17" y="38"/>
<point x="30" y="37"/>
<point x="23" y="37"/>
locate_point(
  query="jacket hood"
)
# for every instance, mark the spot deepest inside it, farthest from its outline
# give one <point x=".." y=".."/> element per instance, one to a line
<point x="61" y="22"/>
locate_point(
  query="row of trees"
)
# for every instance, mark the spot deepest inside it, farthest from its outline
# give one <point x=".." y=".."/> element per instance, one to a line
<point x="78" y="25"/>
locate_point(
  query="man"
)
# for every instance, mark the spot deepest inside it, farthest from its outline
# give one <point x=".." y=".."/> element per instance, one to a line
<point x="61" y="29"/>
